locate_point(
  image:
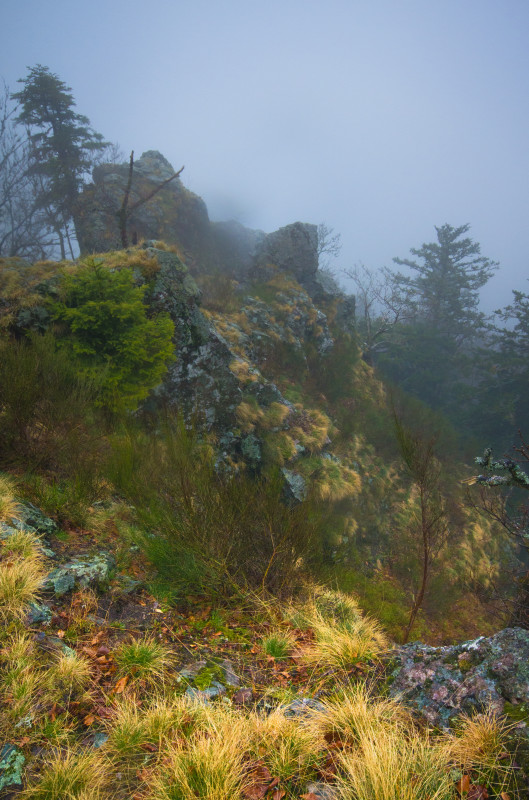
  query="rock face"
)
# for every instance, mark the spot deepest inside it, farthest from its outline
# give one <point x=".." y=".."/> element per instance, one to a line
<point x="179" y="217"/>
<point x="445" y="682"/>
<point x="292" y="249"/>
<point x="174" y="214"/>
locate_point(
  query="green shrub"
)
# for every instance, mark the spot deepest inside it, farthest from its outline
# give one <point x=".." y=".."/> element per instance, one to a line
<point x="46" y="407"/>
<point x="108" y="332"/>
<point x="208" y="530"/>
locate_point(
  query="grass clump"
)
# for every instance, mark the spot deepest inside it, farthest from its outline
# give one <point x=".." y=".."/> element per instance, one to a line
<point x="70" y="775"/>
<point x="343" y="636"/>
<point x="209" y="764"/>
<point x="290" y="749"/>
<point x="22" y="576"/>
<point x="144" y="660"/>
<point x="8" y="504"/>
<point x="278" y="644"/>
<point x="67" y="678"/>
<point x="480" y="749"/>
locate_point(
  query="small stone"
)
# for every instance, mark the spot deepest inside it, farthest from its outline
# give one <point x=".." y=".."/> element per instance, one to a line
<point x="230" y="676"/>
<point x="322" y="791"/>
<point x="190" y="671"/>
<point x="243" y="697"/>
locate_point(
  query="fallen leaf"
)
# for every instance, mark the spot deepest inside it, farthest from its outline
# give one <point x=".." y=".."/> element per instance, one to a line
<point x="477" y="792"/>
<point x="120" y="685"/>
<point x="310" y="796"/>
<point x="61" y="634"/>
<point x="89" y="719"/>
<point x="256" y="791"/>
<point x="505" y="796"/>
<point x="463" y="784"/>
<point x="278" y="794"/>
<point x="90" y="651"/>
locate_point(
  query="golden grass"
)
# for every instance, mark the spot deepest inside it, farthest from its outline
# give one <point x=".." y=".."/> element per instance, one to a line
<point x="22" y="545"/>
<point x="146" y="660"/>
<point x="208" y="765"/>
<point x="8" y="504"/>
<point x="20" y="583"/>
<point x="480" y="747"/>
<point x="70" y="775"/>
<point x="342" y="634"/>
<point x="357" y="714"/>
<point x="67" y="678"/>
<point x="289" y="748"/>
<point x="393" y="766"/>
<point x="341" y="647"/>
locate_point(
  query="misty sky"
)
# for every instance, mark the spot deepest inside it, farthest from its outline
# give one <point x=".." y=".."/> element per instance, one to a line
<point x="381" y="118"/>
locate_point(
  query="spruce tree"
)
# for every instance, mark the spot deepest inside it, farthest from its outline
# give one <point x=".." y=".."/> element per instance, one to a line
<point x="62" y="145"/>
<point x="434" y="355"/>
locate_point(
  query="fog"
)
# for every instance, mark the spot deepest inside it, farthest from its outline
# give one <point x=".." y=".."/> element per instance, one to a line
<point x="382" y="118"/>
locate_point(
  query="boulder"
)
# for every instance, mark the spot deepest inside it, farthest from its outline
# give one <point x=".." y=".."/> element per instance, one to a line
<point x="445" y="682"/>
<point x="292" y="249"/>
<point x="173" y="214"/>
<point x="80" y="573"/>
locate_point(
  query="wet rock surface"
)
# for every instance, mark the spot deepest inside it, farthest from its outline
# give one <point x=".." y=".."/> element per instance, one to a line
<point x="445" y="682"/>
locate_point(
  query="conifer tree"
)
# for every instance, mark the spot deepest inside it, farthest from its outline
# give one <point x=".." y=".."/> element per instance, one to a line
<point x="62" y="145"/>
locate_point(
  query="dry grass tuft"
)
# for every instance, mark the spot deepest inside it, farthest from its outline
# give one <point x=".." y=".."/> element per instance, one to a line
<point x="146" y="660"/>
<point x="22" y="545"/>
<point x="393" y="765"/>
<point x="70" y="775"/>
<point x="68" y="677"/>
<point x="8" y="504"/>
<point x="208" y="765"/>
<point x="20" y="583"/>
<point x="289" y="748"/>
<point x="357" y="714"/>
<point x="480" y="747"/>
<point x="342" y="634"/>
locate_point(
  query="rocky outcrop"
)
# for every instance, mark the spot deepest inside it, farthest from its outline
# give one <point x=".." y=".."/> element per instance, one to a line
<point x="173" y="214"/>
<point x="444" y="682"/>
<point x="292" y="249"/>
<point x="178" y="217"/>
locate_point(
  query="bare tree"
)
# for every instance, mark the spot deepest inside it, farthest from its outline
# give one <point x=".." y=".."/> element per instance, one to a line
<point x="380" y="306"/>
<point x="431" y="527"/>
<point x="329" y="245"/>
<point x="500" y="501"/>
<point x="23" y="228"/>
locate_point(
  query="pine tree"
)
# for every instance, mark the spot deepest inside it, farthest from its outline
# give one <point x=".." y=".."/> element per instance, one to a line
<point x="434" y="354"/>
<point x="62" y="145"/>
<point x="448" y="276"/>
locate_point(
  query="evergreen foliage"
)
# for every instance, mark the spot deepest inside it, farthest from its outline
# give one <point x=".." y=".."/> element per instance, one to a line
<point x="62" y="144"/>
<point x="108" y="331"/>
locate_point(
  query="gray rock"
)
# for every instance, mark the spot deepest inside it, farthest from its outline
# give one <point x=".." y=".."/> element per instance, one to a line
<point x="33" y="519"/>
<point x="205" y="695"/>
<point x="303" y="707"/>
<point x="230" y="677"/>
<point x="295" y="485"/>
<point x="445" y="682"/>
<point x="38" y="614"/>
<point x="292" y="249"/>
<point x="12" y="762"/>
<point x="192" y="670"/>
<point x="80" y="573"/>
<point x="322" y="790"/>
